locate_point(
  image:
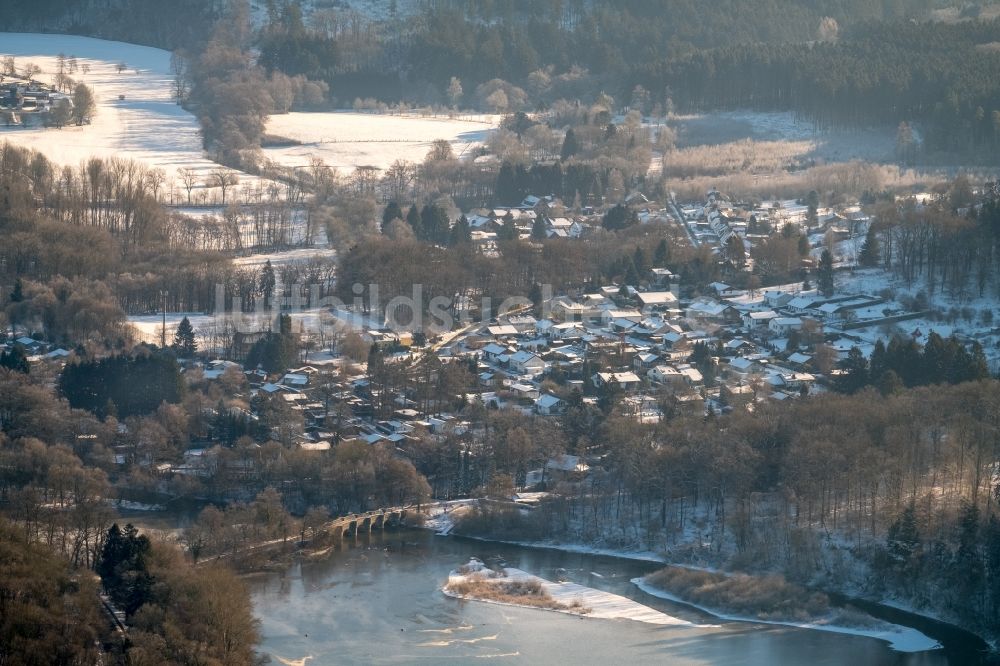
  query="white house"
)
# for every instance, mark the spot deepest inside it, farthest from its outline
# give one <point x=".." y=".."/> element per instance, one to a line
<point x="626" y="380"/>
<point x="657" y="299"/>
<point x="664" y="374"/>
<point x="527" y="363"/>
<point x="758" y="319"/>
<point x="493" y="352"/>
<point x="785" y="325"/>
<point x="691" y="375"/>
<point x="743" y="366"/>
<point x="706" y="308"/>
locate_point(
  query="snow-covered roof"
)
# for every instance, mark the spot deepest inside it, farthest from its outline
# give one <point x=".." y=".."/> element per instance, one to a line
<point x="315" y="446"/>
<point x="547" y="400"/>
<point x="523" y="357"/>
<point x="502" y="329"/>
<point x="656" y="298"/>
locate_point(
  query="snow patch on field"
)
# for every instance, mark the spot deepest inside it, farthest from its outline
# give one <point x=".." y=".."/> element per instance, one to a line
<point x="901" y="639"/>
<point x="129" y="505"/>
<point x="345" y="140"/>
<point x="601" y="605"/>
<point x="146" y="126"/>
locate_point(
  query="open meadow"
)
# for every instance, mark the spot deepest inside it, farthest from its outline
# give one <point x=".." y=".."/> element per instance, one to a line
<point x="345" y="140"/>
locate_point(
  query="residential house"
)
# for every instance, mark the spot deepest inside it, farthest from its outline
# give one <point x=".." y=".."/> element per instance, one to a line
<point x="759" y="320"/>
<point x="784" y="325"/>
<point x="549" y="405"/>
<point x="712" y="310"/>
<point x="644" y="361"/>
<point x="656" y="300"/>
<point x="527" y="363"/>
<point x="625" y="380"/>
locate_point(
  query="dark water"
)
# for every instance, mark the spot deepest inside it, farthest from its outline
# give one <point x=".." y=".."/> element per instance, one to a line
<point x="379" y="601"/>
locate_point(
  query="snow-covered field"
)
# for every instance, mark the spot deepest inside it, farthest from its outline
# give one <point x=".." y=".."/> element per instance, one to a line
<point x="146" y="126"/>
<point x="901" y="639"/>
<point x="307" y="322"/>
<point x="150" y="127"/>
<point x="599" y="604"/>
<point x="345" y="140"/>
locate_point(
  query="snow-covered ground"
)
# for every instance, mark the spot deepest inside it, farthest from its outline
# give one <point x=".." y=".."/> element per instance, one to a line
<point x="149" y="326"/>
<point x="901" y="639"/>
<point x="129" y="505"/>
<point x="150" y="127"/>
<point x="307" y="322"/>
<point x="285" y="257"/>
<point x="146" y="126"/>
<point x="346" y="140"/>
<point x="873" y="281"/>
<point x="597" y="603"/>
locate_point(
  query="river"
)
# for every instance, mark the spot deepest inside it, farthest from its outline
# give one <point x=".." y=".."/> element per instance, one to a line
<point x="378" y="600"/>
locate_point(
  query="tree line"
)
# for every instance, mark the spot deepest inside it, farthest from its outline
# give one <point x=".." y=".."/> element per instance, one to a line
<point x="904" y="362"/>
<point x="951" y="245"/>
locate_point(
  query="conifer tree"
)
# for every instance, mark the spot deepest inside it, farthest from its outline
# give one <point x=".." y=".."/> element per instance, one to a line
<point x="267" y="281"/>
<point x="184" y="338"/>
<point x="415" y="221"/>
<point x="392" y="212"/>
<point x="571" y="145"/>
<point x="662" y="254"/>
<point x="870" y="251"/>
<point x="460" y="233"/>
<point x="539" y="230"/>
<point x="824" y="277"/>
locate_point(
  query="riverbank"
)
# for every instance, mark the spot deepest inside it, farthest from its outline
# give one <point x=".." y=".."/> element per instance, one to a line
<point x="763" y="600"/>
<point x="378" y="600"/>
<point x="515" y="587"/>
<point x="955" y="640"/>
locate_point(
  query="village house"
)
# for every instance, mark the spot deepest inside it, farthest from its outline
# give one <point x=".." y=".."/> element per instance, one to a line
<point x="652" y="301"/>
<point x="784" y="325"/>
<point x="759" y="320"/>
<point x="527" y="363"/>
<point x="625" y="380"/>
<point x="549" y="405"/>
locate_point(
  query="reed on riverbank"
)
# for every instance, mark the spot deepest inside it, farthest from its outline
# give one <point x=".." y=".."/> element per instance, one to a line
<point x="770" y="598"/>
